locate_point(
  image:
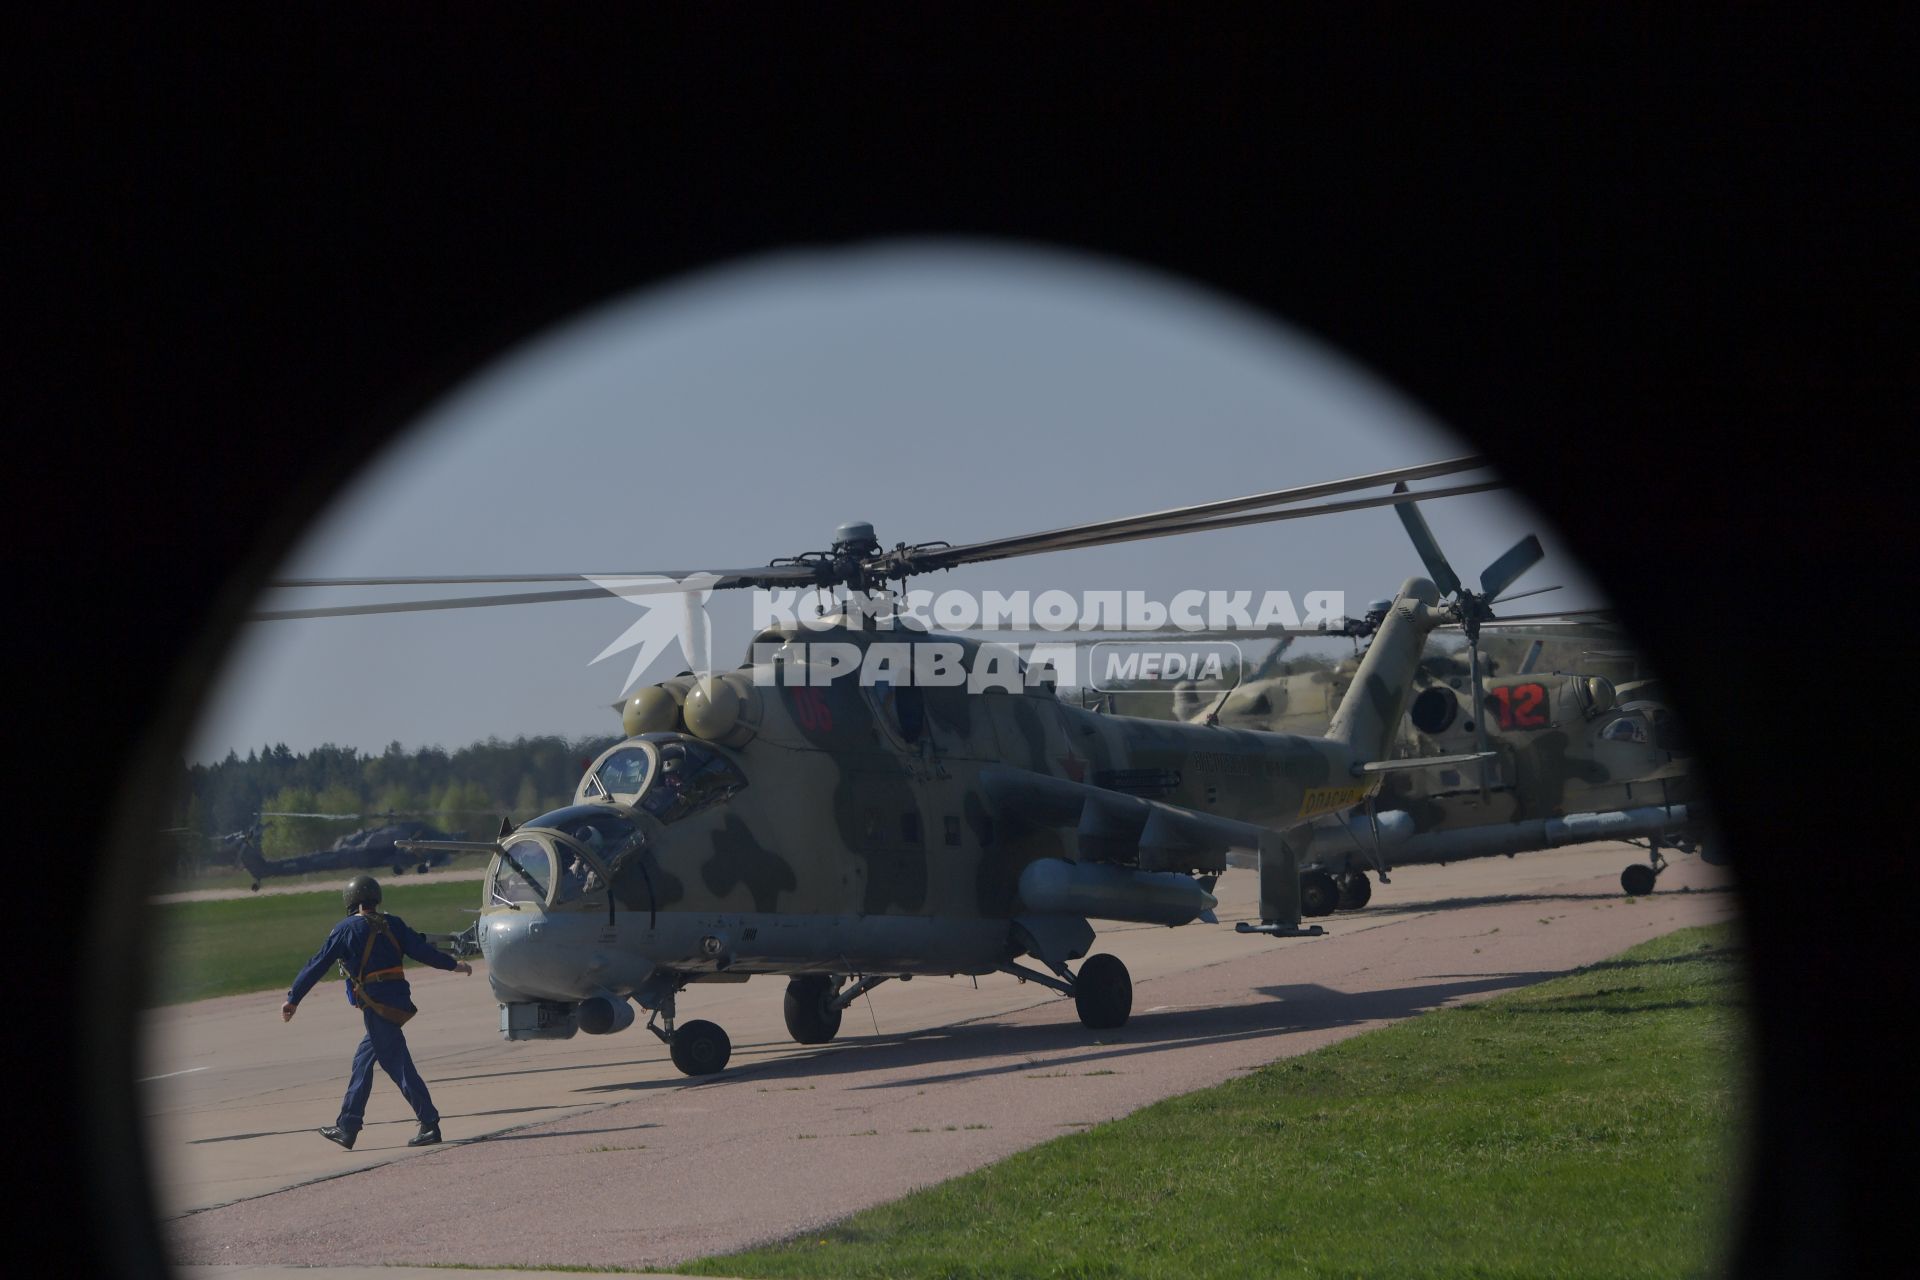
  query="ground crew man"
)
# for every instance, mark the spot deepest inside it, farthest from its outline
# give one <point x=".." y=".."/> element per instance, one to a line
<point x="369" y="948"/>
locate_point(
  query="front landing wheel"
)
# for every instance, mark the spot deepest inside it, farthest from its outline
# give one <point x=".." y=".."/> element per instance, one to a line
<point x="1637" y="880"/>
<point x="699" y="1048"/>
<point x="1103" y="992"/>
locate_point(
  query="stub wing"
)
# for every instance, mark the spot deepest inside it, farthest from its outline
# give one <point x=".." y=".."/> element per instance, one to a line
<point x="1132" y="850"/>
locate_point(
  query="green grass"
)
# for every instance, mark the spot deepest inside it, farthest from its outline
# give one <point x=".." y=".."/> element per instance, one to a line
<point x="1581" y="1127"/>
<point x="258" y="944"/>
<point x="233" y="878"/>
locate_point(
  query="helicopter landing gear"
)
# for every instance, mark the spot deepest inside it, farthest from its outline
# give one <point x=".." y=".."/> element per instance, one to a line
<point x="1319" y="895"/>
<point x="1103" y="992"/>
<point x="813" y="1016"/>
<point x="1355" y="890"/>
<point x="699" y="1048"/>
<point x="1637" y="880"/>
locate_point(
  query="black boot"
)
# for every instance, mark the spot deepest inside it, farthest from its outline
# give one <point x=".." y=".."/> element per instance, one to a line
<point x="428" y="1135"/>
<point x="334" y="1133"/>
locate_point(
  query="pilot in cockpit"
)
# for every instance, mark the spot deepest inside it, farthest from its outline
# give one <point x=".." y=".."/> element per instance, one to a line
<point x="579" y="871"/>
<point x="667" y="794"/>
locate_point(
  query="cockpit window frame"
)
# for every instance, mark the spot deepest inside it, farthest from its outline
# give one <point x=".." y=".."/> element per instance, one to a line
<point x="600" y="789"/>
<point x="691" y="748"/>
<point x="503" y="861"/>
<point x="600" y="862"/>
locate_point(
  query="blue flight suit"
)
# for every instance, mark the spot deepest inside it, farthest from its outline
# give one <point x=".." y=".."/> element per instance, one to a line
<point x="385" y="1043"/>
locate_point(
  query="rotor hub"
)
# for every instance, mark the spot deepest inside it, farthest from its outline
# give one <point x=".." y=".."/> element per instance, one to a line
<point x="855" y="538"/>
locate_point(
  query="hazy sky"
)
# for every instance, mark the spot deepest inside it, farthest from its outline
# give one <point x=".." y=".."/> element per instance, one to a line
<point x="940" y="390"/>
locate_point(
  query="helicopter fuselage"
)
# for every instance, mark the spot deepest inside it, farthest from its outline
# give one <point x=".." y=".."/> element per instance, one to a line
<point x="841" y="828"/>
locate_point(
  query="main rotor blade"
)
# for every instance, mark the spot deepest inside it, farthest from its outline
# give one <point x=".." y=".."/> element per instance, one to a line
<point x="1601" y="617"/>
<point x="724" y="578"/>
<point x="976" y="553"/>
<point x="805" y="575"/>
<point x="793" y="574"/>
<point x="1522" y="595"/>
<point x="1180" y="519"/>
<point x="1427" y="545"/>
<point x="396" y="813"/>
<point x="1519" y="558"/>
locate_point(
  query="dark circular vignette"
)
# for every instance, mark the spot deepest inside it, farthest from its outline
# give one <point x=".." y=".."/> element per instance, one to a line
<point x="120" y="906"/>
<point x="1651" y="239"/>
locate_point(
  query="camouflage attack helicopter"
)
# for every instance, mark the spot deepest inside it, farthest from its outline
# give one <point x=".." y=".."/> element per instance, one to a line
<point x="793" y="818"/>
<point x="1573" y="760"/>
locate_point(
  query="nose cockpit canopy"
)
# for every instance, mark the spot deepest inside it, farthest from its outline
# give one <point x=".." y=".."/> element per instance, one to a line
<point x="521" y="874"/>
<point x="602" y="829"/>
<point x="567" y="854"/>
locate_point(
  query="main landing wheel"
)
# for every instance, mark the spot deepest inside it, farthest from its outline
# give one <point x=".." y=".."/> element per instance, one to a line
<point x="1355" y="890"/>
<point x="1319" y="895"/>
<point x="699" y="1048"/>
<point x="1637" y="880"/>
<point x="810" y="1020"/>
<point x="1103" y="992"/>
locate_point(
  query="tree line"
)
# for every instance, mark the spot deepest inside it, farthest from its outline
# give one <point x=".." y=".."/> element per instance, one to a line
<point x="465" y="789"/>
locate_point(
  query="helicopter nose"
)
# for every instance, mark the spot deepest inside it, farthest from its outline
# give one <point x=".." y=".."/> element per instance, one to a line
<point x="507" y="942"/>
<point x="566" y="956"/>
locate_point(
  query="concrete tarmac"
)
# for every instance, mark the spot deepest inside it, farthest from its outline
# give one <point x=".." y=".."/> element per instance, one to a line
<point x="596" y="1152"/>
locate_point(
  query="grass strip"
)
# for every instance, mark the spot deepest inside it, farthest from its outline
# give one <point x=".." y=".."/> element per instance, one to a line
<point x="1584" y="1126"/>
<point x="258" y="944"/>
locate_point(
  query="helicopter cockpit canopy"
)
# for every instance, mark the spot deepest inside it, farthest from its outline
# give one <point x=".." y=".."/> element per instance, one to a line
<point x="667" y="775"/>
<point x="534" y="868"/>
<point x="622" y="775"/>
<point x="692" y="776"/>
<point x="604" y="831"/>
<point x="521" y="874"/>
<point x="1630" y="727"/>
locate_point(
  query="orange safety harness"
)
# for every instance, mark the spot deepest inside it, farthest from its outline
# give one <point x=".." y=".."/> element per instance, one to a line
<point x="398" y="1017"/>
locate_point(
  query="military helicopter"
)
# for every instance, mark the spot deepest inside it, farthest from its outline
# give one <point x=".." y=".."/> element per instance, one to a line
<point x="1574" y="760"/>
<point x="1572" y="764"/>
<point x="381" y="846"/>
<point x="800" y="817"/>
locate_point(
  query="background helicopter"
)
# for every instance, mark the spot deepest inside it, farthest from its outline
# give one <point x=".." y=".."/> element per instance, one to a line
<point x="363" y="849"/>
<point x="788" y="818"/>
<point x="1574" y="759"/>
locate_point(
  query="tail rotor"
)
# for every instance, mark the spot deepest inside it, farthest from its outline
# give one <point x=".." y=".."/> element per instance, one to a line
<point x="1471" y="607"/>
